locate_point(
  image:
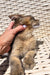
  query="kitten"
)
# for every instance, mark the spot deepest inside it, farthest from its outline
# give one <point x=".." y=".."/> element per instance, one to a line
<point x="24" y="45"/>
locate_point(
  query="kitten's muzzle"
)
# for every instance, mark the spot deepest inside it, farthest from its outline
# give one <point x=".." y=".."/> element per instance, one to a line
<point x="36" y="25"/>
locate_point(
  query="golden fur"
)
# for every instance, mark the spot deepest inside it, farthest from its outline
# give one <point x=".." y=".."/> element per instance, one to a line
<point x="24" y="45"/>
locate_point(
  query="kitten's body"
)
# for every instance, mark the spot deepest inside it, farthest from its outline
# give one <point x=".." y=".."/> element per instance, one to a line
<point x="23" y="47"/>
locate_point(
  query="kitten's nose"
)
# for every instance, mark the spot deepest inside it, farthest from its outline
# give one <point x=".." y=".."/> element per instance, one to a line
<point x="36" y="26"/>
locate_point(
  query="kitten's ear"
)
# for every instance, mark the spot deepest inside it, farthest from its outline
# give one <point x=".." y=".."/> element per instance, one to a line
<point x="10" y="16"/>
<point x="15" y="16"/>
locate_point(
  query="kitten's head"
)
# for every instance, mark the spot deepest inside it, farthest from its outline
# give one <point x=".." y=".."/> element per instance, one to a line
<point x="28" y="20"/>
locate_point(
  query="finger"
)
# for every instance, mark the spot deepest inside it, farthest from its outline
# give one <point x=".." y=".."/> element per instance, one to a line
<point x="18" y="28"/>
<point x="8" y="49"/>
<point x="5" y="50"/>
<point x="11" y="25"/>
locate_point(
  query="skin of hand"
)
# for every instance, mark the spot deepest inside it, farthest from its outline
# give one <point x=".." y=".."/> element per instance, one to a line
<point x="7" y="37"/>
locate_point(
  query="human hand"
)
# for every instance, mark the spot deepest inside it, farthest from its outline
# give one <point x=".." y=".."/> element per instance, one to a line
<point x="7" y="37"/>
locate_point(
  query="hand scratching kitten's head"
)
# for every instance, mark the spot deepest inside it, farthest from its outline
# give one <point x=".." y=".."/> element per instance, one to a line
<point x="28" y="20"/>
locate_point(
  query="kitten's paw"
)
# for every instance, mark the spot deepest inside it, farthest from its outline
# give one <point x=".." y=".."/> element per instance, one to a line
<point x="19" y="72"/>
<point x="28" y="64"/>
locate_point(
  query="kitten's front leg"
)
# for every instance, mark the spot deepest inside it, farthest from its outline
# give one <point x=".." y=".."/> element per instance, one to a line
<point x="16" y="66"/>
<point x="28" y="61"/>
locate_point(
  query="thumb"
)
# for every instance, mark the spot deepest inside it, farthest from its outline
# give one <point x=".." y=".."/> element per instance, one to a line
<point x="18" y="28"/>
<point x="11" y="25"/>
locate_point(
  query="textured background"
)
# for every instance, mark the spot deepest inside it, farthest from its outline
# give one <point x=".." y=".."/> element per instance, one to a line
<point x="40" y="9"/>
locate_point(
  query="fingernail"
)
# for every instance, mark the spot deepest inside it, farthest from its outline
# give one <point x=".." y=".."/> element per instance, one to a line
<point x="24" y="26"/>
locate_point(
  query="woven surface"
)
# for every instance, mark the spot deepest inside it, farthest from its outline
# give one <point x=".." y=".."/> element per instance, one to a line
<point x="40" y="9"/>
